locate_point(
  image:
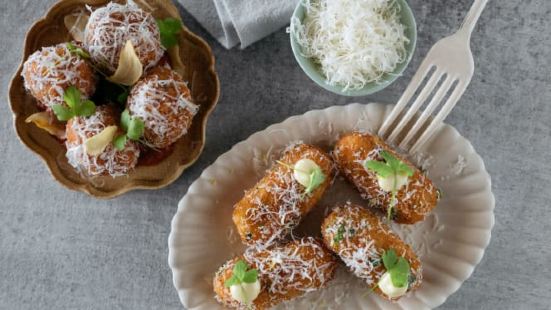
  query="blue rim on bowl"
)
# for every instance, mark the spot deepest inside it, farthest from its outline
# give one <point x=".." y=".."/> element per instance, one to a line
<point x="313" y="71"/>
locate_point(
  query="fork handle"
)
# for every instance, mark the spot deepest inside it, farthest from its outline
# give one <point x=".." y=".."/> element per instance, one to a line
<point x="472" y="16"/>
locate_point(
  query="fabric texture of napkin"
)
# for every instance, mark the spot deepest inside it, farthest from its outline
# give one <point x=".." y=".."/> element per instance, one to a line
<point x="243" y="22"/>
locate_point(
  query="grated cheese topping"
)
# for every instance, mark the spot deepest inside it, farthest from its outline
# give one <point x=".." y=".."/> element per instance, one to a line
<point x="285" y="202"/>
<point x="356" y="247"/>
<point x="303" y="266"/>
<point x="356" y="250"/>
<point x="111" y="161"/>
<point x="49" y="71"/>
<point x="163" y="101"/>
<point x="411" y="195"/>
<point x="355" y="42"/>
<point x="110" y="27"/>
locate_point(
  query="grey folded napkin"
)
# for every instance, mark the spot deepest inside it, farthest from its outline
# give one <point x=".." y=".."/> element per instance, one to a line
<point x="243" y="22"/>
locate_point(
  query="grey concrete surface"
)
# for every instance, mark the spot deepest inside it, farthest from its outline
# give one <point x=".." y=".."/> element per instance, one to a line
<point x="64" y="250"/>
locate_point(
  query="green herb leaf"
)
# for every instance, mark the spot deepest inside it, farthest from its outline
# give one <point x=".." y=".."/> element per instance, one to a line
<point x="135" y="129"/>
<point x="379" y="168"/>
<point x="400" y="273"/>
<point x="340" y="234"/>
<point x="87" y="108"/>
<point x="232" y="281"/>
<point x="62" y="112"/>
<point x="390" y="259"/>
<point x="120" y="142"/>
<point x="398" y="267"/>
<point x="404" y="169"/>
<point x="133" y="126"/>
<point x="242" y="274"/>
<point x="250" y="276"/>
<point x="391" y="167"/>
<point x="77" y="51"/>
<point x="75" y="105"/>
<point x="72" y="97"/>
<point x="239" y="269"/>
<point x="316" y="179"/>
<point x="390" y="159"/>
<point x="125" y="120"/>
<point x="169" y="29"/>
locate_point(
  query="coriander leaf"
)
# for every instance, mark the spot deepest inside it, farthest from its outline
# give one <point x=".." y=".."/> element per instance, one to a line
<point x="403" y="168"/>
<point x="125" y="120"/>
<point x="250" y="276"/>
<point x="135" y="129"/>
<point x="87" y="108"/>
<point x="62" y="112"/>
<point x="316" y="179"/>
<point x="380" y="168"/>
<point x="340" y="234"/>
<point x="389" y="259"/>
<point x="72" y="97"/>
<point x="232" y="281"/>
<point x="390" y="159"/>
<point x="239" y="269"/>
<point x="120" y="142"/>
<point x="399" y="274"/>
<point x="169" y="29"/>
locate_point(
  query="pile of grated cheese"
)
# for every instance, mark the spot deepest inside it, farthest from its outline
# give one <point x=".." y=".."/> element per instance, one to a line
<point x="354" y="41"/>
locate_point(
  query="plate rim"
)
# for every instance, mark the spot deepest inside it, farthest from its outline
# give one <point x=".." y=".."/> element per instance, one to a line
<point x="248" y="141"/>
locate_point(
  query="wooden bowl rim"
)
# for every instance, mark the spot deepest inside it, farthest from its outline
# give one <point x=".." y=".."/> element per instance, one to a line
<point x="50" y="162"/>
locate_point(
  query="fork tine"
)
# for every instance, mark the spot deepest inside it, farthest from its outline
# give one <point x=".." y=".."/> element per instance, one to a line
<point x="437" y="121"/>
<point x="423" y="70"/>
<point x="435" y="101"/>
<point x="421" y="98"/>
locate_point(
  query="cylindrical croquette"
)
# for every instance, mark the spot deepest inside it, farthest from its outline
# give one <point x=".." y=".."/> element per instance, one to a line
<point x="360" y="238"/>
<point x="414" y="200"/>
<point x="284" y="271"/>
<point x="277" y="203"/>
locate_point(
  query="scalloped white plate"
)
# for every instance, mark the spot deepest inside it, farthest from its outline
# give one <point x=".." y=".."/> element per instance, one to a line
<point x="450" y="242"/>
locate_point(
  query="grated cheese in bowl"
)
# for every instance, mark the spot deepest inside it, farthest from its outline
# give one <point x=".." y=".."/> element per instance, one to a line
<point x="354" y="42"/>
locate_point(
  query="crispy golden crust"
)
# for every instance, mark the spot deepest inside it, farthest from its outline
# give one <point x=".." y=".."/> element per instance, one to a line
<point x="51" y="70"/>
<point x="111" y="161"/>
<point x="111" y="26"/>
<point x="277" y="203"/>
<point x="163" y="101"/>
<point x="285" y="272"/>
<point x="359" y="238"/>
<point x="415" y="200"/>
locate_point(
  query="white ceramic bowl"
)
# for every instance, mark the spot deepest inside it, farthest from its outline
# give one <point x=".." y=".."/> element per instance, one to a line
<point x="450" y="242"/>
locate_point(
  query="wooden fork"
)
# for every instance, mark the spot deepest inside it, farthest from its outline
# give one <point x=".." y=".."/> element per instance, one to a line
<point x="450" y="64"/>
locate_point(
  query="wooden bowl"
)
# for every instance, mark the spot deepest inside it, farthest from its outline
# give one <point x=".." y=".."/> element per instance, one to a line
<point x="198" y="69"/>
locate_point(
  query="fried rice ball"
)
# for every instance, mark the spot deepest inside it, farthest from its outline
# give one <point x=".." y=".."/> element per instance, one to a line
<point x="163" y="101"/>
<point x="414" y="200"/>
<point x="285" y="272"/>
<point x="360" y="238"/>
<point x="277" y="203"/>
<point x="111" y="162"/>
<point x="111" y="26"/>
<point x="48" y="72"/>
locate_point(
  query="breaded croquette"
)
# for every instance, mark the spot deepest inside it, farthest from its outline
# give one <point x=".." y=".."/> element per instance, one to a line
<point x="414" y="200"/>
<point x="277" y="203"/>
<point x="360" y="238"/>
<point x="284" y="271"/>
